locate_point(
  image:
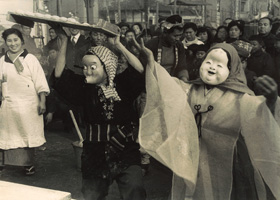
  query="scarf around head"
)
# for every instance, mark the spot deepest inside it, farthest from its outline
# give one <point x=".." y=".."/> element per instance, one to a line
<point x="110" y="61"/>
<point x="236" y="80"/>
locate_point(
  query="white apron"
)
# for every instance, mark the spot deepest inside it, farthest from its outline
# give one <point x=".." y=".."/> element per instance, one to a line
<point x="20" y="124"/>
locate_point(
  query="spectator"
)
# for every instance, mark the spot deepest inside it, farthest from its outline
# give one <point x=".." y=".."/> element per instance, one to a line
<point x="236" y="30"/>
<point x="260" y="62"/>
<point x="23" y="104"/>
<point x="199" y="52"/>
<point x="221" y="35"/>
<point x="98" y="38"/>
<point x="77" y="46"/>
<point x="190" y="30"/>
<point x="29" y="42"/>
<point x="124" y="27"/>
<point x="53" y="43"/>
<point x="244" y="50"/>
<point x="227" y="21"/>
<point x="264" y="29"/>
<point x="205" y="35"/>
<point x="168" y="50"/>
<point x="137" y="28"/>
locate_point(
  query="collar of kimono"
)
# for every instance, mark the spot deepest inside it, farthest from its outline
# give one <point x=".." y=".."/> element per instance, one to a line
<point x="15" y="60"/>
<point x="8" y="59"/>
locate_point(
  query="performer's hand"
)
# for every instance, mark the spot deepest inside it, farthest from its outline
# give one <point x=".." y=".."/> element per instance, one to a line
<point x="266" y="86"/>
<point x="61" y="34"/>
<point x="148" y="53"/>
<point x="41" y="108"/>
<point x="115" y="41"/>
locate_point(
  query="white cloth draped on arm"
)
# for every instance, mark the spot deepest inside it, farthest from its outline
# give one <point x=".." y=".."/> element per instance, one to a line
<point x="168" y="130"/>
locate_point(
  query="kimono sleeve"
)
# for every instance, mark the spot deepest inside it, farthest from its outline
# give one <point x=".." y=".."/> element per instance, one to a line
<point x="262" y="137"/>
<point x="70" y="87"/>
<point x="167" y="129"/>
<point x="38" y="75"/>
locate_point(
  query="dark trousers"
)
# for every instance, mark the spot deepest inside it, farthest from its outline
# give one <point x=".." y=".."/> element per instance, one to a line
<point x="130" y="183"/>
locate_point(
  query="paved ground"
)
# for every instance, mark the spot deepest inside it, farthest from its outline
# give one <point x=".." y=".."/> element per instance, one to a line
<point x="56" y="169"/>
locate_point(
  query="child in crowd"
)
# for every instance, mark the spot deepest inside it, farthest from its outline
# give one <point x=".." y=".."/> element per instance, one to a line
<point x="244" y="49"/>
<point x="260" y="62"/>
<point x="199" y="52"/>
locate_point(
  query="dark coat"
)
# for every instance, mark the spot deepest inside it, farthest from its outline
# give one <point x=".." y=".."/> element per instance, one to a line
<point x="156" y="43"/>
<point x="74" y="54"/>
<point x="261" y="63"/>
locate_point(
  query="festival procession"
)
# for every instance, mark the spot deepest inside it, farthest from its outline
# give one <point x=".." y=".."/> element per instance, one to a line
<point x="139" y="100"/>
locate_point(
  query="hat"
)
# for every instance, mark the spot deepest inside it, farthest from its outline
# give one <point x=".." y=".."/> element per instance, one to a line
<point x="173" y="21"/>
<point x="257" y="38"/>
<point x="198" y="47"/>
<point x="239" y="23"/>
<point x="121" y="24"/>
<point x="243" y="48"/>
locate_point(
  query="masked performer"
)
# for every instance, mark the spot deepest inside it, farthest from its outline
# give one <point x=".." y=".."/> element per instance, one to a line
<point x="110" y="150"/>
<point x="196" y="130"/>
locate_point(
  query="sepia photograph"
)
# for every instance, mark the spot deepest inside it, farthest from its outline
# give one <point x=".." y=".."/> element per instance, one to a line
<point x="139" y="99"/>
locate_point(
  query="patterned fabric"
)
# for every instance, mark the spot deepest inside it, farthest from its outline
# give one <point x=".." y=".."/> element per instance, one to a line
<point x="16" y="61"/>
<point x="110" y="61"/>
<point x="176" y="56"/>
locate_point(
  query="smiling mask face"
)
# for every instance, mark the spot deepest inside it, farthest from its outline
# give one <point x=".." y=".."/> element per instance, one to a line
<point x="214" y="69"/>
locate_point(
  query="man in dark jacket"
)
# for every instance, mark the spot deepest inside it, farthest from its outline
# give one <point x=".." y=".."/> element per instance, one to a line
<point x="264" y="29"/>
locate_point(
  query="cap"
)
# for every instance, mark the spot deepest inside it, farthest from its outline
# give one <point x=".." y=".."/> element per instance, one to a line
<point x="173" y="21"/>
<point x="243" y="48"/>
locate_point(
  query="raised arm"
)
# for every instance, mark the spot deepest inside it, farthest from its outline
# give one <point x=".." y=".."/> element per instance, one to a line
<point x="149" y="54"/>
<point x="61" y="57"/>
<point x="132" y="59"/>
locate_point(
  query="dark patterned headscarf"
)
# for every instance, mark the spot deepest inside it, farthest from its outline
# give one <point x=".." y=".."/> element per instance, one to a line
<point x="110" y="61"/>
<point x="236" y="80"/>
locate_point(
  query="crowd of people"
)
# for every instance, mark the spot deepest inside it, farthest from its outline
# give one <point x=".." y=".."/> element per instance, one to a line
<point x="203" y="102"/>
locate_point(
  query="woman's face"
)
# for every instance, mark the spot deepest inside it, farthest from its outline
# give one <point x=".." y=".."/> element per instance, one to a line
<point x="214" y="69"/>
<point x="129" y="36"/>
<point x="136" y="29"/>
<point x="203" y="36"/>
<point x="234" y="32"/>
<point x="94" y="70"/>
<point x="14" y="43"/>
<point x="222" y="34"/>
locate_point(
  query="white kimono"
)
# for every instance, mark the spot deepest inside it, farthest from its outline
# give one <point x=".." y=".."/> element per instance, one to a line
<point x="203" y="166"/>
<point x="20" y="123"/>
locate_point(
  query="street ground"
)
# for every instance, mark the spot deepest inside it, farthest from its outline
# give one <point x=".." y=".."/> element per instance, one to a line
<point x="56" y="169"/>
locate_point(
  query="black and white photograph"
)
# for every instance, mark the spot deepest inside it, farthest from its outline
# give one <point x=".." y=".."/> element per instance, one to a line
<point x="139" y="100"/>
